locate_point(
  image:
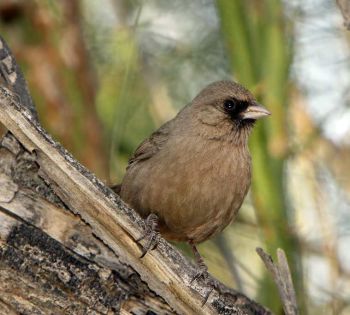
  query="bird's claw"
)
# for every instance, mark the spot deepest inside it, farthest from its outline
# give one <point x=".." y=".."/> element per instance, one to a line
<point x="150" y="234"/>
<point x="209" y="281"/>
<point x="201" y="273"/>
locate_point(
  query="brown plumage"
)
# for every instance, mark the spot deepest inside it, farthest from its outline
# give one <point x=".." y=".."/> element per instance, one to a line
<point x="195" y="170"/>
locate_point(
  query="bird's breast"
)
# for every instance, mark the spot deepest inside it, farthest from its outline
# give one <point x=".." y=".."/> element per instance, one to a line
<point x="198" y="190"/>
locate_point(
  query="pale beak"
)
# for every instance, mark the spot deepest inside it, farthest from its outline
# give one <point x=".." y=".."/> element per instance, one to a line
<point x="255" y="111"/>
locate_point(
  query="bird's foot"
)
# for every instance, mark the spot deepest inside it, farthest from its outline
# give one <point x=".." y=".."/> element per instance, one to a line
<point x="150" y="233"/>
<point x="203" y="273"/>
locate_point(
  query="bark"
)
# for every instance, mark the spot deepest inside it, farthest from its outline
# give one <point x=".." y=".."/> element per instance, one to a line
<point x="67" y="242"/>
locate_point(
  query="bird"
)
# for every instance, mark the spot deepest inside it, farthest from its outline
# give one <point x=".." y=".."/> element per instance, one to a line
<point x="189" y="178"/>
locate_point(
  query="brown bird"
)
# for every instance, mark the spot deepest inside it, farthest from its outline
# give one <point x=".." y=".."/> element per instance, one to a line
<point x="190" y="177"/>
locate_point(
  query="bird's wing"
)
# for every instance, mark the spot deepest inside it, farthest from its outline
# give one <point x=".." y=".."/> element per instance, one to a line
<point x="151" y="145"/>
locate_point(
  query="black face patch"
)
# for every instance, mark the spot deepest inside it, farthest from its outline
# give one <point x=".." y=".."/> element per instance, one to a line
<point x="234" y="107"/>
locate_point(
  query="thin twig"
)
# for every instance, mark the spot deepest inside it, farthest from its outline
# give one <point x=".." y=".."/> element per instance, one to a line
<point x="281" y="275"/>
<point x="344" y="6"/>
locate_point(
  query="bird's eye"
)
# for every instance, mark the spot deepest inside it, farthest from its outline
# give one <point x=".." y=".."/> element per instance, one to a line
<point x="230" y="105"/>
<point x="234" y="107"/>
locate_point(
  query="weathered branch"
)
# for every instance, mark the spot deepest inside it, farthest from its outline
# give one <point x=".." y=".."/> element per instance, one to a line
<point x="51" y="253"/>
<point x="52" y="260"/>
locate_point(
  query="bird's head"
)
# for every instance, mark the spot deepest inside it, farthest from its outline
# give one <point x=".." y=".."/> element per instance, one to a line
<point x="228" y="109"/>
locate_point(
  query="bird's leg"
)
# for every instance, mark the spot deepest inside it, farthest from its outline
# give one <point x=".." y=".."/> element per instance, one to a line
<point x="150" y="233"/>
<point x="203" y="269"/>
<point x="203" y="272"/>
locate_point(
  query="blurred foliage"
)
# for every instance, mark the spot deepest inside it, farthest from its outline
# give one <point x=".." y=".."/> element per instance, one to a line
<point x="104" y="77"/>
<point x="260" y="49"/>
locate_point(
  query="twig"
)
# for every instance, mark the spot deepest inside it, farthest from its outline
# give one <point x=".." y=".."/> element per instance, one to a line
<point x="281" y="275"/>
<point x="344" y="6"/>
